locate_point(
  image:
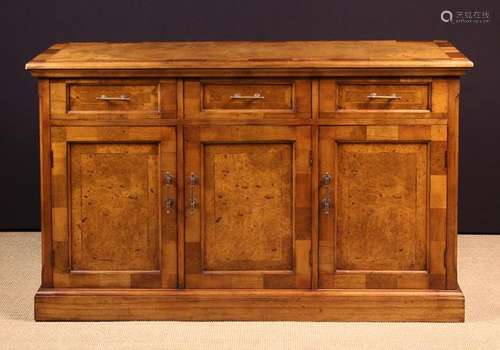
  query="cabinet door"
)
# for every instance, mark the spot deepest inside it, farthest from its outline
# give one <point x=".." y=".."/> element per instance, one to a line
<point x="387" y="223"/>
<point x="250" y="222"/>
<point x="111" y="225"/>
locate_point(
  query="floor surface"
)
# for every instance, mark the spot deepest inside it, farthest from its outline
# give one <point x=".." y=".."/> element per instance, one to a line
<point x="479" y="275"/>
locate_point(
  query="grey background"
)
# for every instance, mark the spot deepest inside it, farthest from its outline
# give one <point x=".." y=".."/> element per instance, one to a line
<point x="28" y="27"/>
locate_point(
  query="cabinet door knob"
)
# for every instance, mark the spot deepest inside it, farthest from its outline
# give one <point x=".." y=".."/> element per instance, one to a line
<point x="326" y="179"/>
<point x="168" y="178"/>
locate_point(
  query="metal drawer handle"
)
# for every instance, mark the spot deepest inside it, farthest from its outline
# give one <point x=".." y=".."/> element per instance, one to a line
<point x="111" y="98"/>
<point x="374" y="95"/>
<point x="238" y="96"/>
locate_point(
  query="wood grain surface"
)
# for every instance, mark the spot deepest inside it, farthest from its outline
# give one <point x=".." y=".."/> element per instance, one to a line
<point x="252" y="229"/>
<point x="107" y="204"/>
<point x="114" y="207"/>
<point x="246" y="54"/>
<point x="250" y="305"/>
<point x="249" y="207"/>
<point x="146" y="99"/>
<point x="408" y="96"/>
<point x="387" y="228"/>
<point x="280" y="98"/>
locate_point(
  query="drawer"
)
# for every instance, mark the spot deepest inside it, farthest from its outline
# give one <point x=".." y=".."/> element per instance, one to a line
<point x="383" y="98"/>
<point x="113" y="98"/>
<point x="370" y="96"/>
<point x="102" y="99"/>
<point x="251" y="98"/>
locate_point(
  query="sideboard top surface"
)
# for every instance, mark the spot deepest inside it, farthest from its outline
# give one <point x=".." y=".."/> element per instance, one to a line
<point x="252" y="55"/>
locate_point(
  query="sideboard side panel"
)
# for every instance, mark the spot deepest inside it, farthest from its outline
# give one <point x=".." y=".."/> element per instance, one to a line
<point x="453" y="146"/>
<point x="45" y="185"/>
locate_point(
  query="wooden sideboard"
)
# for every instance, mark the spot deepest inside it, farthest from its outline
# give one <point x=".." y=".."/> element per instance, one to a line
<point x="249" y="181"/>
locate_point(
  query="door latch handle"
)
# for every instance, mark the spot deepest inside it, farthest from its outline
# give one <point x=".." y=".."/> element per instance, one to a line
<point x="169" y="204"/>
<point x="168" y="180"/>
<point x="326" y="205"/>
<point x="192" y="202"/>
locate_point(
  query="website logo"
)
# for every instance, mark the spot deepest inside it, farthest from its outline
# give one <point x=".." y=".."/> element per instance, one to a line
<point x="466" y="16"/>
<point x="447" y="16"/>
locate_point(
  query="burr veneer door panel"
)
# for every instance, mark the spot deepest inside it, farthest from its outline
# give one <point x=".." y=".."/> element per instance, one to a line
<point x="248" y="219"/>
<point x="387" y="224"/>
<point x="111" y="228"/>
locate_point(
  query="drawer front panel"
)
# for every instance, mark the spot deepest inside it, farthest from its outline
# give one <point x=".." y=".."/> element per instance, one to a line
<point x="112" y="99"/>
<point x="381" y="96"/>
<point x="248" y="98"/>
